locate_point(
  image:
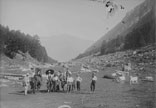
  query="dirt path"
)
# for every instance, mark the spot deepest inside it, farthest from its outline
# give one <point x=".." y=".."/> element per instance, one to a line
<point x="108" y="94"/>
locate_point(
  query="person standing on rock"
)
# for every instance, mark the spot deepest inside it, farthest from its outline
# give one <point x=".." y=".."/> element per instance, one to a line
<point x="93" y="82"/>
<point x="26" y="83"/>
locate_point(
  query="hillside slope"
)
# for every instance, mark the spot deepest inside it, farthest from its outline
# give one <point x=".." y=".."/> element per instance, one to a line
<point x="13" y="42"/>
<point x="138" y="19"/>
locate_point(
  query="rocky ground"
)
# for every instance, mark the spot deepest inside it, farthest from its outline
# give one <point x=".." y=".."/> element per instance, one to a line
<point x="108" y="94"/>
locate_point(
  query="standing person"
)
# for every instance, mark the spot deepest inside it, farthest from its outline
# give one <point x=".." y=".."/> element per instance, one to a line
<point x="63" y="80"/>
<point x="78" y="82"/>
<point x="32" y="80"/>
<point x="55" y="82"/>
<point x="67" y="73"/>
<point x="32" y="72"/>
<point x="69" y="83"/>
<point x="122" y="67"/>
<point x="26" y="83"/>
<point x="93" y="82"/>
<point x="74" y="84"/>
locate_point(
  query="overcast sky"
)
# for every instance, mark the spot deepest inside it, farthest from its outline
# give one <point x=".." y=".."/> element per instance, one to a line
<point x="81" y="18"/>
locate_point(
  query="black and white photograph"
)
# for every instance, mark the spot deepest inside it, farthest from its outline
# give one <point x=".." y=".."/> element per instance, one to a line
<point x="77" y="54"/>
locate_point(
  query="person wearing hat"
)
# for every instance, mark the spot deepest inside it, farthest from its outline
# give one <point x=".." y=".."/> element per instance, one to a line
<point x="49" y="75"/>
<point x="32" y="71"/>
<point x="26" y="83"/>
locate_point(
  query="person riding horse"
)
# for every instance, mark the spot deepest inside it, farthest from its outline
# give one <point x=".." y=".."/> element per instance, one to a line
<point x="63" y="78"/>
<point x="50" y="75"/>
<point x="36" y="80"/>
<point x="49" y="82"/>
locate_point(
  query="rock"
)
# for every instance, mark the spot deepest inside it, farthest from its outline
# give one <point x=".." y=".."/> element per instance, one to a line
<point x="137" y="106"/>
<point x="134" y="52"/>
<point x="108" y="77"/>
<point x="149" y="78"/>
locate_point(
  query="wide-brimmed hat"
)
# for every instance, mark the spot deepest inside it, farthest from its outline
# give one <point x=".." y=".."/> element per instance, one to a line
<point x="50" y="71"/>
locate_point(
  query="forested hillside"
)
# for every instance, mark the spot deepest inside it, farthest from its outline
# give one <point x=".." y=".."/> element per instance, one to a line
<point x="14" y="41"/>
<point x="137" y="29"/>
<point x="140" y="34"/>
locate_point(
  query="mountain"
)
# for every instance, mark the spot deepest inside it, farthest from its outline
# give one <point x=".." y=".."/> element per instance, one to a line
<point x="14" y="42"/>
<point x="51" y="60"/>
<point x="137" y="27"/>
<point x="65" y="47"/>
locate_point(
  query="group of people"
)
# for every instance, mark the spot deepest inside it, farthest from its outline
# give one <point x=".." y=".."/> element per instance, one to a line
<point x="58" y="81"/>
<point x="34" y="80"/>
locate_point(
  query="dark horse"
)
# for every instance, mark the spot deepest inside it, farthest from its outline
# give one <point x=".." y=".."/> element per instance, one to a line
<point x="63" y="81"/>
<point x="36" y="82"/>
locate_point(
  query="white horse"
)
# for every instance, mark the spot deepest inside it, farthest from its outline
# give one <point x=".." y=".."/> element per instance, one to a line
<point x="122" y="78"/>
<point x="118" y="72"/>
<point x="133" y="80"/>
<point x="120" y="75"/>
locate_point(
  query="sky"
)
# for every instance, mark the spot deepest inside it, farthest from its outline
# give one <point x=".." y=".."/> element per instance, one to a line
<point x="80" y="18"/>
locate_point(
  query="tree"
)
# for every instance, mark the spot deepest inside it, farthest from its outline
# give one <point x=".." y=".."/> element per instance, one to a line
<point x="13" y="41"/>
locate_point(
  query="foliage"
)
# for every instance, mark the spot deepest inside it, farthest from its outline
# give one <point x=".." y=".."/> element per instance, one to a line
<point x="13" y="41"/>
<point x="112" y="45"/>
<point x="141" y="35"/>
<point x="137" y="29"/>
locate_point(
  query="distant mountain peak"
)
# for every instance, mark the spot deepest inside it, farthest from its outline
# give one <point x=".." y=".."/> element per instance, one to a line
<point x="65" y="47"/>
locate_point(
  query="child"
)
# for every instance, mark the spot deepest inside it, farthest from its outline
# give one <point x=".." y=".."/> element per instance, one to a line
<point x="78" y="82"/>
<point x="93" y="82"/>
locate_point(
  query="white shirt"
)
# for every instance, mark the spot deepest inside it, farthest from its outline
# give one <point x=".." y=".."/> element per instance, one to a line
<point x="55" y="78"/>
<point x="26" y="80"/>
<point x="51" y="76"/>
<point x="70" y="79"/>
<point x="79" y="79"/>
<point x="94" y="78"/>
